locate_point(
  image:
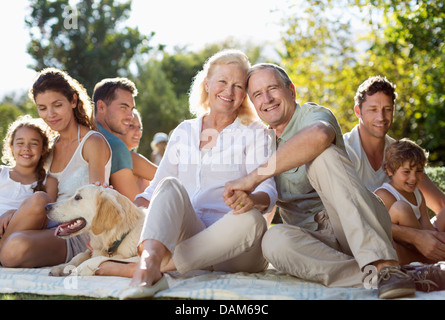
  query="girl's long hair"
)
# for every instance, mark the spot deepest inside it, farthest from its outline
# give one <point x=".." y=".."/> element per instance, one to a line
<point x="45" y="133"/>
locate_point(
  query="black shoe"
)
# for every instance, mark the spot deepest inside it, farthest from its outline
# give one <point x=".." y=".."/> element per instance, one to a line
<point x="394" y="283"/>
<point x="427" y="277"/>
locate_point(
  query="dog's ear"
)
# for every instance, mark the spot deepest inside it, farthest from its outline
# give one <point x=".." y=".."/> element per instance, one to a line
<point x="108" y="213"/>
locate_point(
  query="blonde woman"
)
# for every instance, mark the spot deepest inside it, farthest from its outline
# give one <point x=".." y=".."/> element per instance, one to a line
<point x="188" y="225"/>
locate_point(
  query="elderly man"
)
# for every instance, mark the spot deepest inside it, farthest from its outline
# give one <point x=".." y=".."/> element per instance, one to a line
<point x="334" y="227"/>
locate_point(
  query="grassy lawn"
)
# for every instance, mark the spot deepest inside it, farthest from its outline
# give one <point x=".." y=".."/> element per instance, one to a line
<point x="30" y="296"/>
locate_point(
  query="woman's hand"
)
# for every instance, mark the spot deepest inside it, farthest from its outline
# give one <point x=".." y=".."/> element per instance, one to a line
<point x="105" y="185"/>
<point x="239" y="201"/>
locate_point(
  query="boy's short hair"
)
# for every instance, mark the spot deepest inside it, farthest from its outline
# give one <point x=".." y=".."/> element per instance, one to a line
<point x="373" y="85"/>
<point x="404" y="150"/>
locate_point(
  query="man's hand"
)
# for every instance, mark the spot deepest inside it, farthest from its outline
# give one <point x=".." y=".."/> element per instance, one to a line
<point x="431" y="244"/>
<point x="243" y="184"/>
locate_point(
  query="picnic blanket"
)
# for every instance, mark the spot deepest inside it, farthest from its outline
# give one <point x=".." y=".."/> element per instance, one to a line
<point x="267" y="285"/>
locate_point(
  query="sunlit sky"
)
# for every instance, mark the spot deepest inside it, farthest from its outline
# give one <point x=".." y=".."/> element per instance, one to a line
<point x="176" y="22"/>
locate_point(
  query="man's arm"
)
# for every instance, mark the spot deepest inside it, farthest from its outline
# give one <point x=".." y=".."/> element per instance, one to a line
<point x="435" y="199"/>
<point x="302" y="148"/>
<point x="431" y="244"/>
<point x="242" y="202"/>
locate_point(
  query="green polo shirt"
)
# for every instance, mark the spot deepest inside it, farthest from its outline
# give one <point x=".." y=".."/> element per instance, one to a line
<point x="297" y="199"/>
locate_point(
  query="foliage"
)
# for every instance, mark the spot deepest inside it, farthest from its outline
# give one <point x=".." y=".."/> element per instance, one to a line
<point x="10" y="110"/>
<point x="437" y="175"/>
<point x="157" y="103"/>
<point x="411" y="52"/>
<point x="328" y="47"/>
<point x="320" y="56"/>
<point x="328" y="57"/>
<point x="99" y="46"/>
<point x="87" y="40"/>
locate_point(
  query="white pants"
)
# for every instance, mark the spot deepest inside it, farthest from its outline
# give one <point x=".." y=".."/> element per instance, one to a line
<point x="355" y="232"/>
<point x="231" y="244"/>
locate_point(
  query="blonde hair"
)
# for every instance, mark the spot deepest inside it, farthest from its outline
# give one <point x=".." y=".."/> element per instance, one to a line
<point x="199" y="97"/>
<point x="45" y="133"/>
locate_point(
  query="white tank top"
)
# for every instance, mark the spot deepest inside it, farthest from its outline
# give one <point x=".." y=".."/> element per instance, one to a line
<point x="76" y="173"/>
<point x="12" y="193"/>
<point x="399" y="196"/>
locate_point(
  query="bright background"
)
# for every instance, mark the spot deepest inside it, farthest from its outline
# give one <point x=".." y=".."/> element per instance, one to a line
<point x="191" y="23"/>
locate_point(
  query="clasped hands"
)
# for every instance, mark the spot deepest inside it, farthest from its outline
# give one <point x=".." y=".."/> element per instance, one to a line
<point x="237" y="196"/>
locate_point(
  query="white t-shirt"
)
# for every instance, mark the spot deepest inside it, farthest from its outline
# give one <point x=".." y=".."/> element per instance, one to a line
<point x="371" y="178"/>
<point x="12" y="193"/>
<point x="238" y="151"/>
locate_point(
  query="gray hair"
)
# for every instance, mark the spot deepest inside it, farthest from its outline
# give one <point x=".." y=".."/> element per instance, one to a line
<point x="270" y="66"/>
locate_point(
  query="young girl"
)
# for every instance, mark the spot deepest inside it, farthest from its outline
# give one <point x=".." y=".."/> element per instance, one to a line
<point x="23" y="182"/>
<point x="404" y="164"/>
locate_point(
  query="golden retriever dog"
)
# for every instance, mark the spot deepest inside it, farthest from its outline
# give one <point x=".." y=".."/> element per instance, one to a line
<point x="112" y="221"/>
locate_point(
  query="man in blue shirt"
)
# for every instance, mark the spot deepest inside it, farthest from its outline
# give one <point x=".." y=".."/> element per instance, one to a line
<point x="114" y="103"/>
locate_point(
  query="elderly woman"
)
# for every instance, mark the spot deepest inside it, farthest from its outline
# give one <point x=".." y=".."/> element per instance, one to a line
<point x="188" y="225"/>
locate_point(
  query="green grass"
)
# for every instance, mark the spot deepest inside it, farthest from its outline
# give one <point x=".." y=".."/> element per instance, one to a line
<point x="30" y="296"/>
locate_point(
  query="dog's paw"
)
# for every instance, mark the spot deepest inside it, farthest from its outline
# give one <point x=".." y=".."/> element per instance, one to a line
<point x="62" y="270"/>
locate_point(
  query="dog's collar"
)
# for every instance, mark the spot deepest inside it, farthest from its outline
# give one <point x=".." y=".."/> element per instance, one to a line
<point x="116" y="244"/>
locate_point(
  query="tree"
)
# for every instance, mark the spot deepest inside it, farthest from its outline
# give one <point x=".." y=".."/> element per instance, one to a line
<point x="157" y="103"/>
<point x="86" y="40"/>
<point x="330" y="47"/>
<point x="320" y="56"/>
<point x="411" y="50"/>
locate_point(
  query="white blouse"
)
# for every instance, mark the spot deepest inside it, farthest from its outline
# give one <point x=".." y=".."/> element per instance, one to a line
<point x="239" y="149"/>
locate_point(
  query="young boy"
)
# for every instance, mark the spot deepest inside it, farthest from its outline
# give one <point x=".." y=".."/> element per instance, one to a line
<point x="404" y="164"/>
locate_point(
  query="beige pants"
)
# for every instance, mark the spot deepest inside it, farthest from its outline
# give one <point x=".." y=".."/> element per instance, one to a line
<point x="231" y="244"/>
<point x="355" y="232"/>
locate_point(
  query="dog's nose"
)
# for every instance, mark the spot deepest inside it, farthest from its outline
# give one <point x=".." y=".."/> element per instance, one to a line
<point x="48" y="207"/>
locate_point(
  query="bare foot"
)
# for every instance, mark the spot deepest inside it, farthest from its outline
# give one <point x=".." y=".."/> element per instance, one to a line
<point x="148" y="271"/>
